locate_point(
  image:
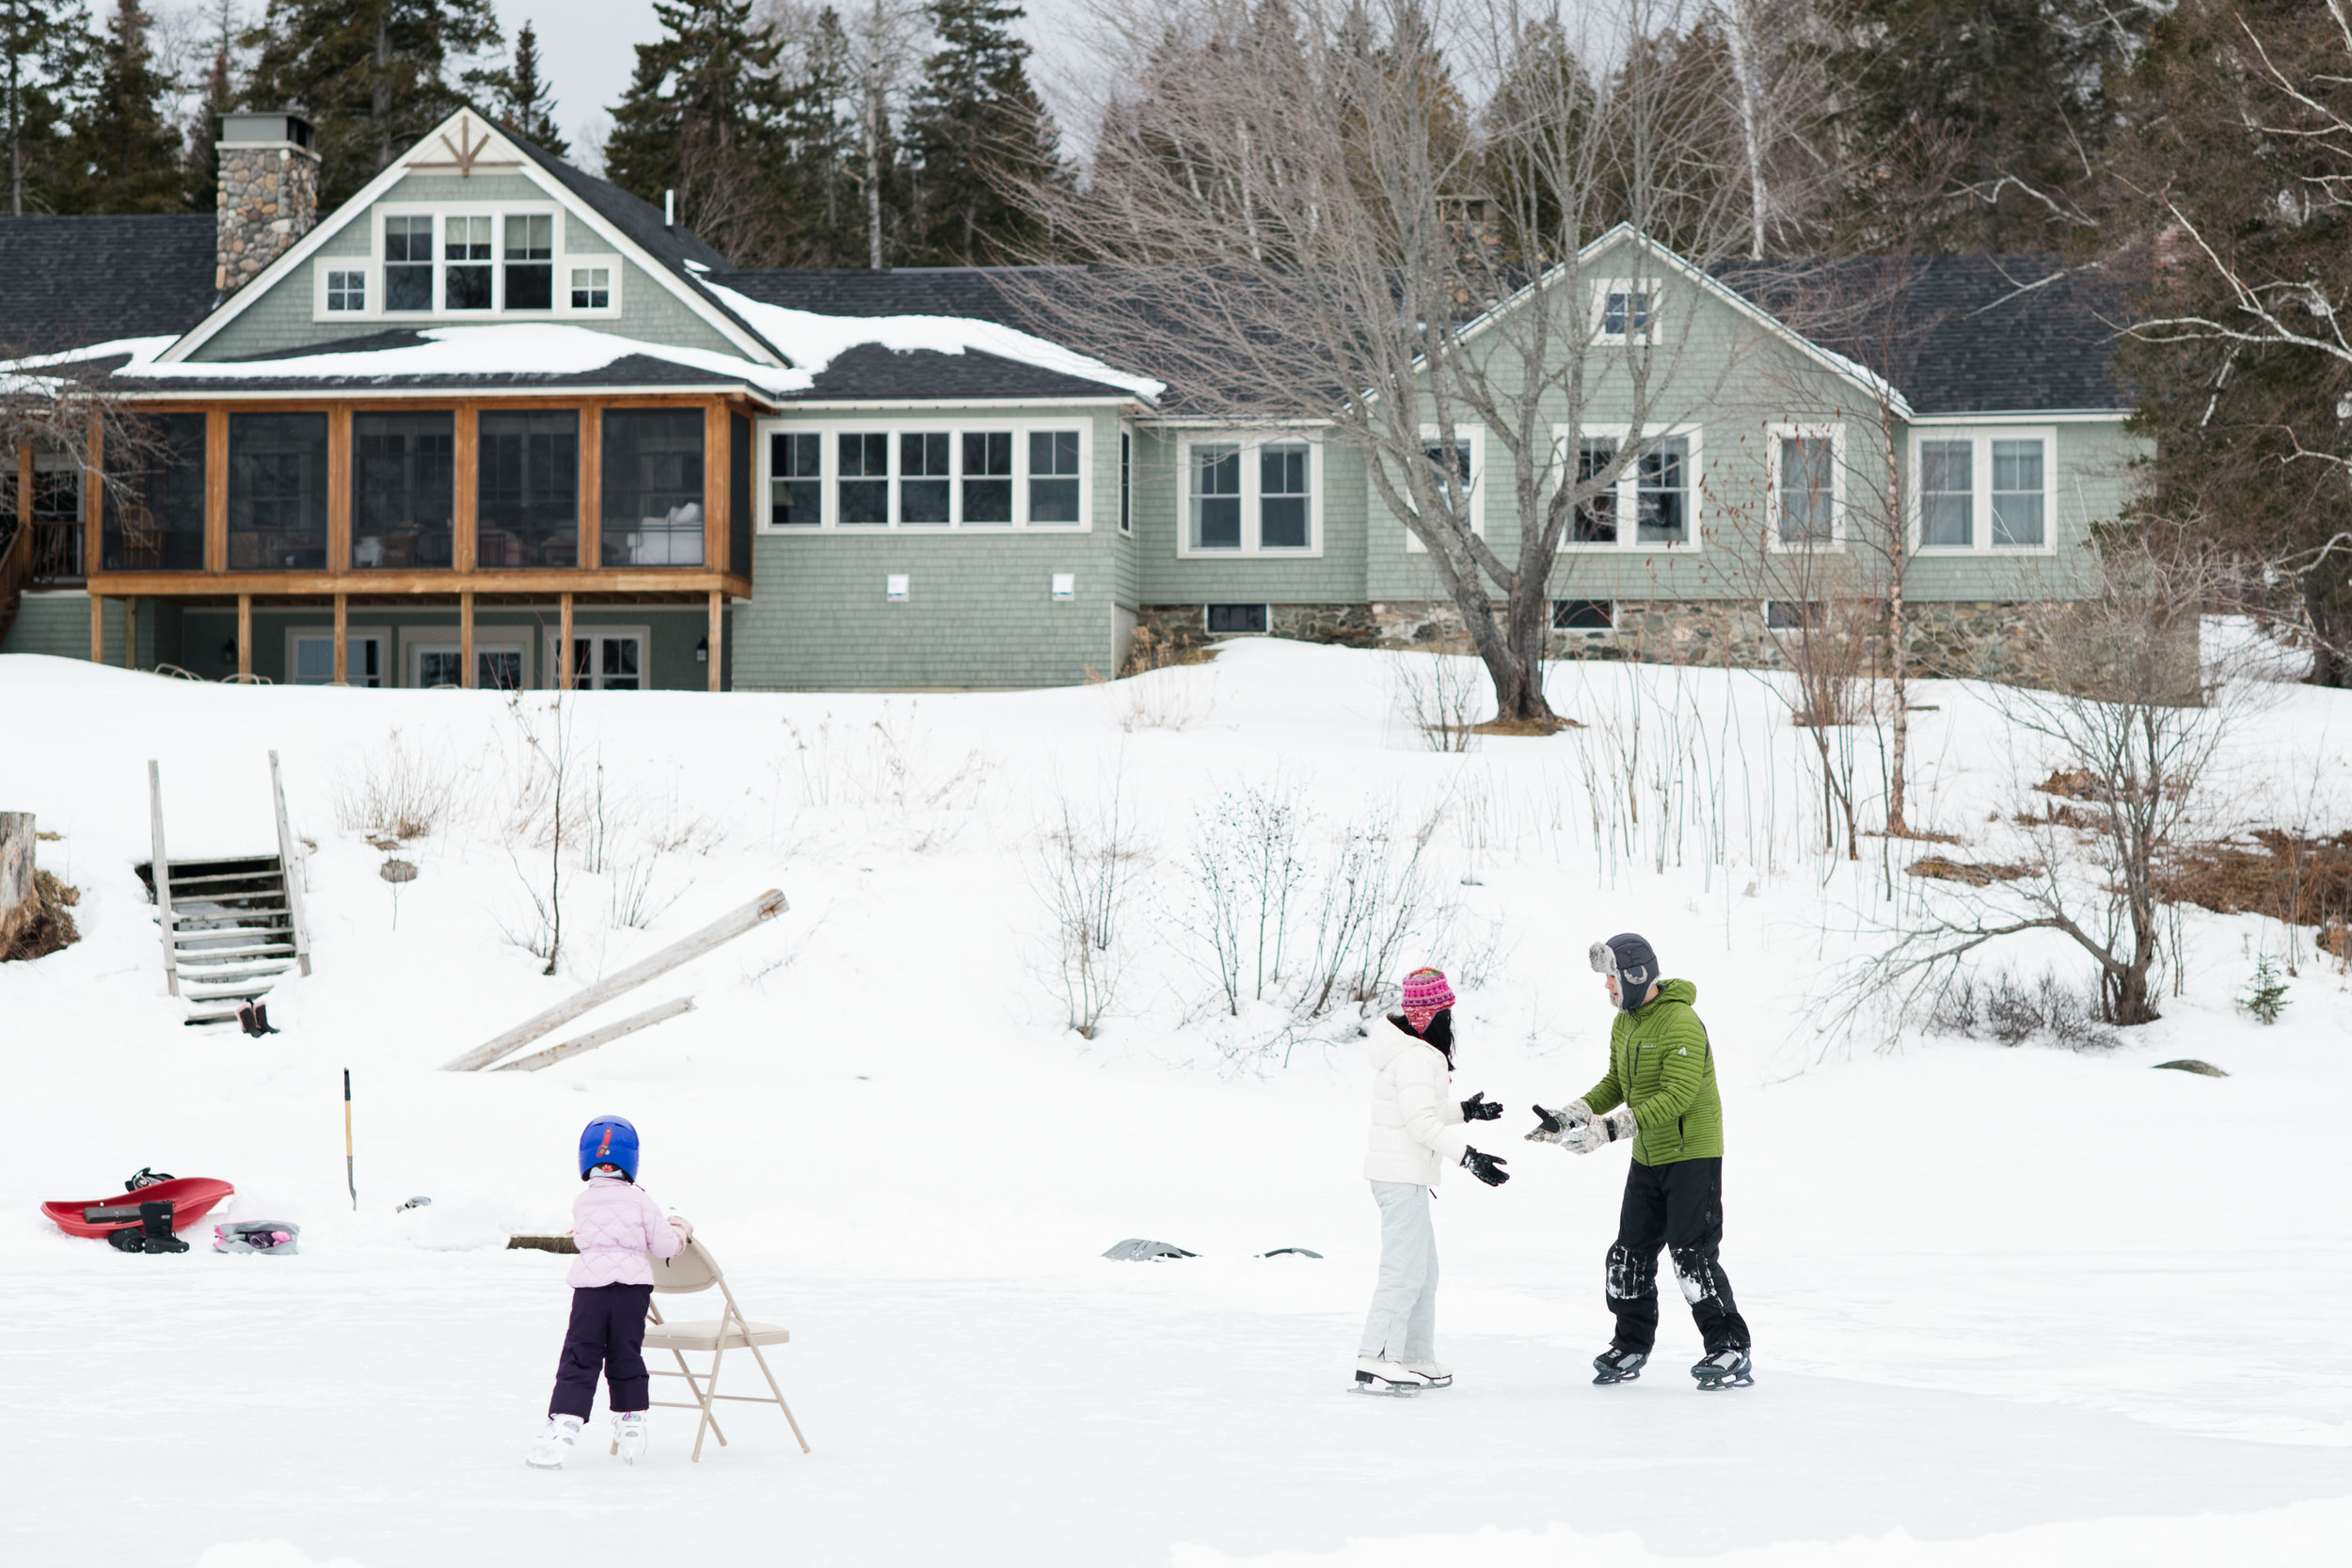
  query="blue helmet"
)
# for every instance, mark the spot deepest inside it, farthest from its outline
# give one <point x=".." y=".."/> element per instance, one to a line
<point x="608" y="1141"/>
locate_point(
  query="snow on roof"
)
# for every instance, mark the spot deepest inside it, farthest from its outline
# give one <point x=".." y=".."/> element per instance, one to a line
<point x="527" y="348"/>
<point x="813" y="342"/>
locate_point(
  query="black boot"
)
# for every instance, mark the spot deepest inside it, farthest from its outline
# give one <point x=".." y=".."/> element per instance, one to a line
<point x="156" y="1229"/>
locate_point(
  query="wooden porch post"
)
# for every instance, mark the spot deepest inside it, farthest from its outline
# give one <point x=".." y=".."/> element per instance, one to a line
<point x="564" y="642"/>
<point x="339" y="466"/>
<point x="24" y="485"/>
<point x="343" y="630"/>
<point x="216" y="491"/>
<point x="718" y="603"/>
<point x="97" y="629"/>
<point x="465" y="639"/>
<point x="131" y="632"/>
<point x="245" y="636"/>
<point x="94" y="499"/>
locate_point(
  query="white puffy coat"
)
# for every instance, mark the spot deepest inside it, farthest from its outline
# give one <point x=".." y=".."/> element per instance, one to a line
<point x="1416" y="1122"/>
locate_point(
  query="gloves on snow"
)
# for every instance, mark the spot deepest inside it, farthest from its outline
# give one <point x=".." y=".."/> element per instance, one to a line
<point x="1600" y="1131"/>
<point x="1486" y="1167"/>
<point x="1479" y="1108"/>
<point x="1553" y="1127"/>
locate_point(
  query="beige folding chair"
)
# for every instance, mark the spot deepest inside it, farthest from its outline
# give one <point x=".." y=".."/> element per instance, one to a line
<point x="694" y="1270"/>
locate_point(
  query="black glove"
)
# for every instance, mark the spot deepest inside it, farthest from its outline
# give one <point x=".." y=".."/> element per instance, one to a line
<point x="1479" y="1108"/>
<point x="1486" y="1167"/>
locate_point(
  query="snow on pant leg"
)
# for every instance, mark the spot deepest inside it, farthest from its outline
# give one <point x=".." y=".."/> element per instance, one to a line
<point x="628" y="1386"/>
<point x="1694" y="1232"/>
<point x="576" y="1369"/>
<point x="1631" y="1281"/>
<point x="1404" y="1315"/>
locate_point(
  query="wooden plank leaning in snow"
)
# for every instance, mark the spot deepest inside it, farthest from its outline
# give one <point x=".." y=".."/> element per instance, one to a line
<point x="727" y="928"/>
<point x="595" y="1037"/>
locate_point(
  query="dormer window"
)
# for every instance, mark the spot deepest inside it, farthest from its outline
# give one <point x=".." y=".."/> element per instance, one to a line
<point x="466" y="249"/>
<point x="346" y="291"/>
<point x="1624" y="310"/>
<point x="531" y="262"/>
<point x="408" y="262"/>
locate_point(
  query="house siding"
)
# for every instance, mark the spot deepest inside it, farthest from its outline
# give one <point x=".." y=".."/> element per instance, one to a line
<point x="283" y="317"/>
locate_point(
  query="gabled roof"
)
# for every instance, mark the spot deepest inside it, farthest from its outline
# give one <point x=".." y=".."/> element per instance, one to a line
<point x="596" y="203"/>
<point x="70" y="280"/>
<point x="1959" y="334"/>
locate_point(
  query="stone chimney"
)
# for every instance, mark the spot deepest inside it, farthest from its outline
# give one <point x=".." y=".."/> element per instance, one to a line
<point x="269" y="193"/>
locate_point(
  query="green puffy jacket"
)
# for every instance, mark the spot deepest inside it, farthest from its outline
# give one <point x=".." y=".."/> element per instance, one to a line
<point x="1660" y="1064"/>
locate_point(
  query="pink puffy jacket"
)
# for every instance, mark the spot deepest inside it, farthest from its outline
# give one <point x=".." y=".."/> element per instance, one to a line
<point x="614" y="1225"/>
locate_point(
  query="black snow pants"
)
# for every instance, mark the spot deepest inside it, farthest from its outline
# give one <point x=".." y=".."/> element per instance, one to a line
<point x="1679" y="1207"/>
<point x="607" y="1333"/>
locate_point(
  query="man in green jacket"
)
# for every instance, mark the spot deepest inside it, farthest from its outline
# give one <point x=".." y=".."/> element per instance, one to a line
<point x="1659" y="1095"/>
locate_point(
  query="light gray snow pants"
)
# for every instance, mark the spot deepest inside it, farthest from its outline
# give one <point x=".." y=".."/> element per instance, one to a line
<point x="1403" y="1325"/>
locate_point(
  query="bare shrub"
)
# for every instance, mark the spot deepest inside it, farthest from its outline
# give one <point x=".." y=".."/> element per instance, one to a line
<point x="1082" y="867"/>
<point x="1245" y="869"/>
<point x="885" y="761"/>
<point x="399" y="788"/>
<point x="546" y="813"/>
<point x="1376" y="896"/>
<point x="2014" y="1011"/>
<point x="637" y="895"/>
<point x="1439" y="694"/>
<point x="1147" y="697"/>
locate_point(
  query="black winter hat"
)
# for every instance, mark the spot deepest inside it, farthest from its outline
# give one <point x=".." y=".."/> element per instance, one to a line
<point x="1632" y="960"/>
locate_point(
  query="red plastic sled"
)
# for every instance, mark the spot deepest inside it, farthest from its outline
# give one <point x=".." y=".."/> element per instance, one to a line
<point x="191" y="1197"/>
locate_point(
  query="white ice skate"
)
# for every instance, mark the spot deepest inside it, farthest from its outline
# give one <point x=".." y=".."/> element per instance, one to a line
<point x="553" y="1445"/>
<point x="1438" y="1372"/>
<point x="1388" y="1377"/>
<point x="628" y="1435"/>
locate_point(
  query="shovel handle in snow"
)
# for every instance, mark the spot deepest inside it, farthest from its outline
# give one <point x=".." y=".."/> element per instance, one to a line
<point x="351" y="1177"/>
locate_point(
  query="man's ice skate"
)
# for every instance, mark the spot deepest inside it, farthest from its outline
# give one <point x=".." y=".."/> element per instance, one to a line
<point x="1726" y="1369"/>
<point x="1388" y="1377"/>
<point x="628" y="1435"/>
<point x="1438" y="1372"/>
<point x="553" y="1445"/>
<point x="1617" y="1366"/>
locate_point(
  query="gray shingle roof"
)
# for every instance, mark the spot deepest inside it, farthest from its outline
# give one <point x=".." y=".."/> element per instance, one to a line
<point x="1957" y="334"/>
<point x="69" y="280"/>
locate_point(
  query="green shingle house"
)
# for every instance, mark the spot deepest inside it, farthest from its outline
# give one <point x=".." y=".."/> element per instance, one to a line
<point x="496" y="422"/>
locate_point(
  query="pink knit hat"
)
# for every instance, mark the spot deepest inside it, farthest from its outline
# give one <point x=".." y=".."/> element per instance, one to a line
<point x="1426" y="995"/>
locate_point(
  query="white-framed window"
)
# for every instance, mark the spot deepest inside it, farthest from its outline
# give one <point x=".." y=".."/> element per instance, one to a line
<point x="467" y="259"/>
<point x="497" y="666"/>
<point x="1806" y="477"/>
<point x="1987" y="490"/>
<point x="1592" y="617"/>
<point x="860" y="476"/>
<point x="592" y="288"/>
<point x="1126" y="480"/>
<point x="1654" y="504"/>
<point x="1251" y="494"/>
<point x="1461" y="471"/>
<point x="310" y="657"/>
<point x="604" y="658"/>
<point x="1625" y="309"/>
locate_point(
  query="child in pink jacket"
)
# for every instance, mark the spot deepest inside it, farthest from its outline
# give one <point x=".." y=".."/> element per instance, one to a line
<point x="616" y="1225"/>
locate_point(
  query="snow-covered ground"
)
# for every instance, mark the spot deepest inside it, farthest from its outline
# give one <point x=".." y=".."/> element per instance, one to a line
<point x="2011" y="1304"/>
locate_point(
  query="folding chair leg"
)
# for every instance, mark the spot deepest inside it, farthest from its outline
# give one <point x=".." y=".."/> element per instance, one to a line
<point x="702" y="1397"/>
<point x="716" y="1357"/>
<point x="779" y="1393"/>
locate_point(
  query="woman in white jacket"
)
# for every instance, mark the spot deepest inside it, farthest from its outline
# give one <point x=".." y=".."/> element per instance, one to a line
<point x="1416" y="1132"/>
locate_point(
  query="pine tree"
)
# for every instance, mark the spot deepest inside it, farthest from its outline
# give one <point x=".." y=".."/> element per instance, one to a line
<point x="128" y="150"/>
<point x="700" y="118"/>
<point x="816" y="182"/>
<point x="372" y="75"/>
<point x="520" y="97"/>
<point x="978" y="131"/>
<point x="46" y="59"/>
<point x="200" y="165"/>
<point x="2266" y="993"/>
<point x="1970" y="125"/>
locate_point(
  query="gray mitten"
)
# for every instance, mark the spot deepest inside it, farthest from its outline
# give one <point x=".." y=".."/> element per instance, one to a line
<point x="1617" y="1126"/>
<point x="1553" y="1127"/>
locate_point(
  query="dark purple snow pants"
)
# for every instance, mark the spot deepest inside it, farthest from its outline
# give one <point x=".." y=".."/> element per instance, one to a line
<point x="606" y="1332"/>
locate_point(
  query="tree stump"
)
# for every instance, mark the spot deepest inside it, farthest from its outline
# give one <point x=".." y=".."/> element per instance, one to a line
<point x="18" y="907"/>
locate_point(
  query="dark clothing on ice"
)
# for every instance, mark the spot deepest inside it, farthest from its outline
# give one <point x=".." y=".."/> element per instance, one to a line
<point x="1680" y="1208"/>
<point x="608" y="1334"/>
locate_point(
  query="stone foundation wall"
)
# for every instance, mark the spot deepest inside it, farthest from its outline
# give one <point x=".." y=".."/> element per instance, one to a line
<point x="1982" y="641"/>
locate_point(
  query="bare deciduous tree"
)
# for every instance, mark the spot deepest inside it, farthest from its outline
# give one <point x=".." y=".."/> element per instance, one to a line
<point x="1310" y="185"/>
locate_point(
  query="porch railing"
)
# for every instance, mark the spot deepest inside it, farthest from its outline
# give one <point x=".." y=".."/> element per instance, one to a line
<point x="58" y="552"/>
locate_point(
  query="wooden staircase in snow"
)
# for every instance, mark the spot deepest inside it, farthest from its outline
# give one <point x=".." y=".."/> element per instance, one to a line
<point x="230" y="925"/>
